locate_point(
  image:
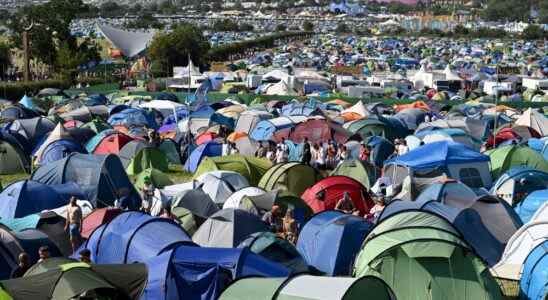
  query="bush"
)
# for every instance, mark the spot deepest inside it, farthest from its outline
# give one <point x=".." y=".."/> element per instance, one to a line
<point x="15" y="91"/>
<point x="308" y="26"/>
<point x="225" y="25"/>
<point x="534" y="32"/>
<point x="281" y="27"/>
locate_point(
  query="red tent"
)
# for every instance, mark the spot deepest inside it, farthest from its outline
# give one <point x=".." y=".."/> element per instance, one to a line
<point x="205" y="137"/>
<point x="73" y="124"/>
<point x="97" y="218"/>
<point x="334" y="188"/>
<point x="112" y="143"/>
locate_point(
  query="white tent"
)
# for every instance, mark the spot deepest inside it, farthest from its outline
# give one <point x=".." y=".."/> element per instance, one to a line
<point x="450" y="74"/>
<point x="166" y="107"/>
<point x="59" y="133"/>
<point x="358" y="108"/>
<point x="219" y="185"/>
<point x="535" y="120"/>
<point x="260" y="198"/>
<point x="131" y="43"/>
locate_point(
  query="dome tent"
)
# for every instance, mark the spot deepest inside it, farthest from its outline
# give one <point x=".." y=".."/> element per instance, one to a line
<point x="527" y="208"/>
<point x="429" y="253"/>
<point x="289" y="178"/>
<point x="360" y="171"/>
<point x="220" y="185"/>
<point x="101" y="177"/>
<point x="506" y="157"/>
<point x="534" y="283"/>
<point x="330" y="240"/>
<point x="251" y="168"/>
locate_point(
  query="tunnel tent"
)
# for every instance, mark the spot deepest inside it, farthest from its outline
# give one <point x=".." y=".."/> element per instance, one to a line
<point x="427" y="251"/>
<point x="360" y="171"/>
<point x="252" y="168"/>
<point x="534" y="283"/>
<point x="308" y="287"/>
<point x="505" y="157"/>
<point x="291" y="178"/>
<point x="517" y="182"/>
<point x="531" y="204"/>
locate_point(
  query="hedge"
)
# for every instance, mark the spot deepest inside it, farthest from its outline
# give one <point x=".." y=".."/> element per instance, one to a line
<point x="15" y="91"/>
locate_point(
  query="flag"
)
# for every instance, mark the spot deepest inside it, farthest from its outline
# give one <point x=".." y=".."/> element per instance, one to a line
<point x="200" y="96"/>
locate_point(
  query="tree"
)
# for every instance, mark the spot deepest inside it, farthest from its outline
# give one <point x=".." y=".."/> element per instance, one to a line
<point x="167" y="8"/>
<point x="145" y="21"/>
<point x="225" y="25"/>
<point x="5" y="59"/>
<point x="534" y="32"/>
<point x="461" y="30"/>
<point x="168" y="50"/>
<point x="246" y="27"/>
<point x="308" y="26"/>
<point x="507" y="10"/>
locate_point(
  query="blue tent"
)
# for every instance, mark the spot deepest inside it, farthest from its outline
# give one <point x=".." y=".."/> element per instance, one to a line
<point x="519" y="181"/>
<point x="133" y="117"/>
<point x="193" y="273"/>
<point x="28" y="197"/>
<point x="534" y="282"/>
<point x="210" y="149"/>
<point x="202" y="112"/>
<point x="295" y="108"/>
<point x="265" y="129"/>
<point x="381" y="150"/>
<point x="59" y="150"/>
<point x="96" y="99"/>
<point x="539" y="145"/>
<point x="527" y="208"/>
<point x="466" y="221"/>
<point x="94" y="141"/>
<point x="330" y="241"/>
<point x="167" y="96"/>
<point x="27" y="102"/>
<point x="182" y="113"/>
<point x="440" y="155"/>
<point x="133" y="237"/>
<point x="101" y="177"/>
<point x="223" y="120"/>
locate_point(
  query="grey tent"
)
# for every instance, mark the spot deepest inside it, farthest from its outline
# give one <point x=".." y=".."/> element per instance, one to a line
<point x="34" y="130"/>
<point x="128" y="152"/>
<point x="13" y="160"/>
<point x="131" y="43"/>
<point x="228" y="228"/>
<point x="197" y="202"/>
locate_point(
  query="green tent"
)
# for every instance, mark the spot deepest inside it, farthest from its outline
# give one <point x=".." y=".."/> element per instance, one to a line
<point x="505" y="157"/>
<point x="4" y="295"/>
<point x="251" y="168"/>
<point x="171" y="150"/>
<point x="187" y="220"/>
<point x="307" y="287"/>
<point x="12" y="159"/>
<point x="357" y="170"/>
<point x="64" y="279"/>
<point x="159" y="179"/>
<point x="148" y="158"/>
<point x="291" y="178"/>
<point x="421" y="256"/>
<point x="97" y="125"/>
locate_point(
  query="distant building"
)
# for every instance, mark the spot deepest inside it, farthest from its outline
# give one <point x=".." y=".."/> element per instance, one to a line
<point x="344" y="7"/>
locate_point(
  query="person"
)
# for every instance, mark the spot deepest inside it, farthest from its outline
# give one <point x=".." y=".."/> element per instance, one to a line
<point x="270" y="155"/>
<point x="280" y="155"/>
<point x="233" y="149"/>
<point x="307" y="153"/>
<point x="402" y="147"/>
<point x="43" y="253"/>
<point x="85" y="256"/>
<point x="331" y="155"/>
<point x="261" y="151"/>
<point x="290" y="231"/>
<point x="427" y="118"/>
<point x="167" y="214"/>
<point x="74" y="223"/>
<point x="283" y="145"/>
<point x="272" y="218"/>
<point x="364" y="152"/>
<point x="153" y="138"/>
<point x="123" y="199"/>
<point x="147" y="194"/>
<point x="320" y="159"/>
<point x="377" y="209"/>
<point x="22" y="266"/>
<point x="225" y="148"/>
<point x="345" y="204"/>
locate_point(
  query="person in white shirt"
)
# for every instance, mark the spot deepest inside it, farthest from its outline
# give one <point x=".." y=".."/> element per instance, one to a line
<point x="281" y="155"/>
<point x="270" y="154"/>
<point x="225" y="149"/>
<point x="402" y="148"/>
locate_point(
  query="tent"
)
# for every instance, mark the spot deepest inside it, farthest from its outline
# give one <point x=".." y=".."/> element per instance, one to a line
<point x="130" y="117"/>
<point x="534" y="283"/>
<point x="307" y="287"/>
<point x="202" y="273"/>
<point x="275" y="129"/>
<point x="158" y="178"/>
<point x="228" y="228"/>
<point x="430" y="254"/>
<point x="28" y="197"/>
<point x="381" y="150"/>
<point x="473" y="127"/>
<point x="330" y="241"/>
<point x="535" y="120"/>
<point x="360" y="171"/>
<point x="34" y="130"/>
<point x="171" y="150"/>
<point x="97" y="218"/>
<point x="130" y="43"/>
<point x="13" y="159"/>
<point x="451" y="192"/>
<point x="449" y="134"/>
<point x="411" y="117"/>
<point x="148" y="158"/>
<point x="198" y="204"/>
<point x="289" y="178"/>
<point x="130" y="150"/>
<point x="251" y="199"/>
<point x="518" y="182"/>
<point x="133" y="237"/>
<point x="377" y="126"/>
<point x="529" y="236"/>
<point x="249" y="119"/>
<point x="219" y="185"/>
<point x="60" y="278"/>
<point x="101" y="177"/>
<point x="112" y="142"/>
<point x="458" y="161"/>
<point x="529" y="206"/>
<point x="333" y="189"/>
<point x="14" y="243"/>
<point x="251" y="168"/>
<point x="505" y="157"/>
<point x="274" y="248"/>
<point x="58" y="150"/>
<point x="48" y="222"/>
<point x="209" y="149"/>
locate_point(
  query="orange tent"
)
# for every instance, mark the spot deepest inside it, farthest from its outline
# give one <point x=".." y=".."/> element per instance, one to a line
<point x="416" y="104"/>
<point x="351" y="116"/>
<point x="340" y="102"/>
<point x="233" y="137"/>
